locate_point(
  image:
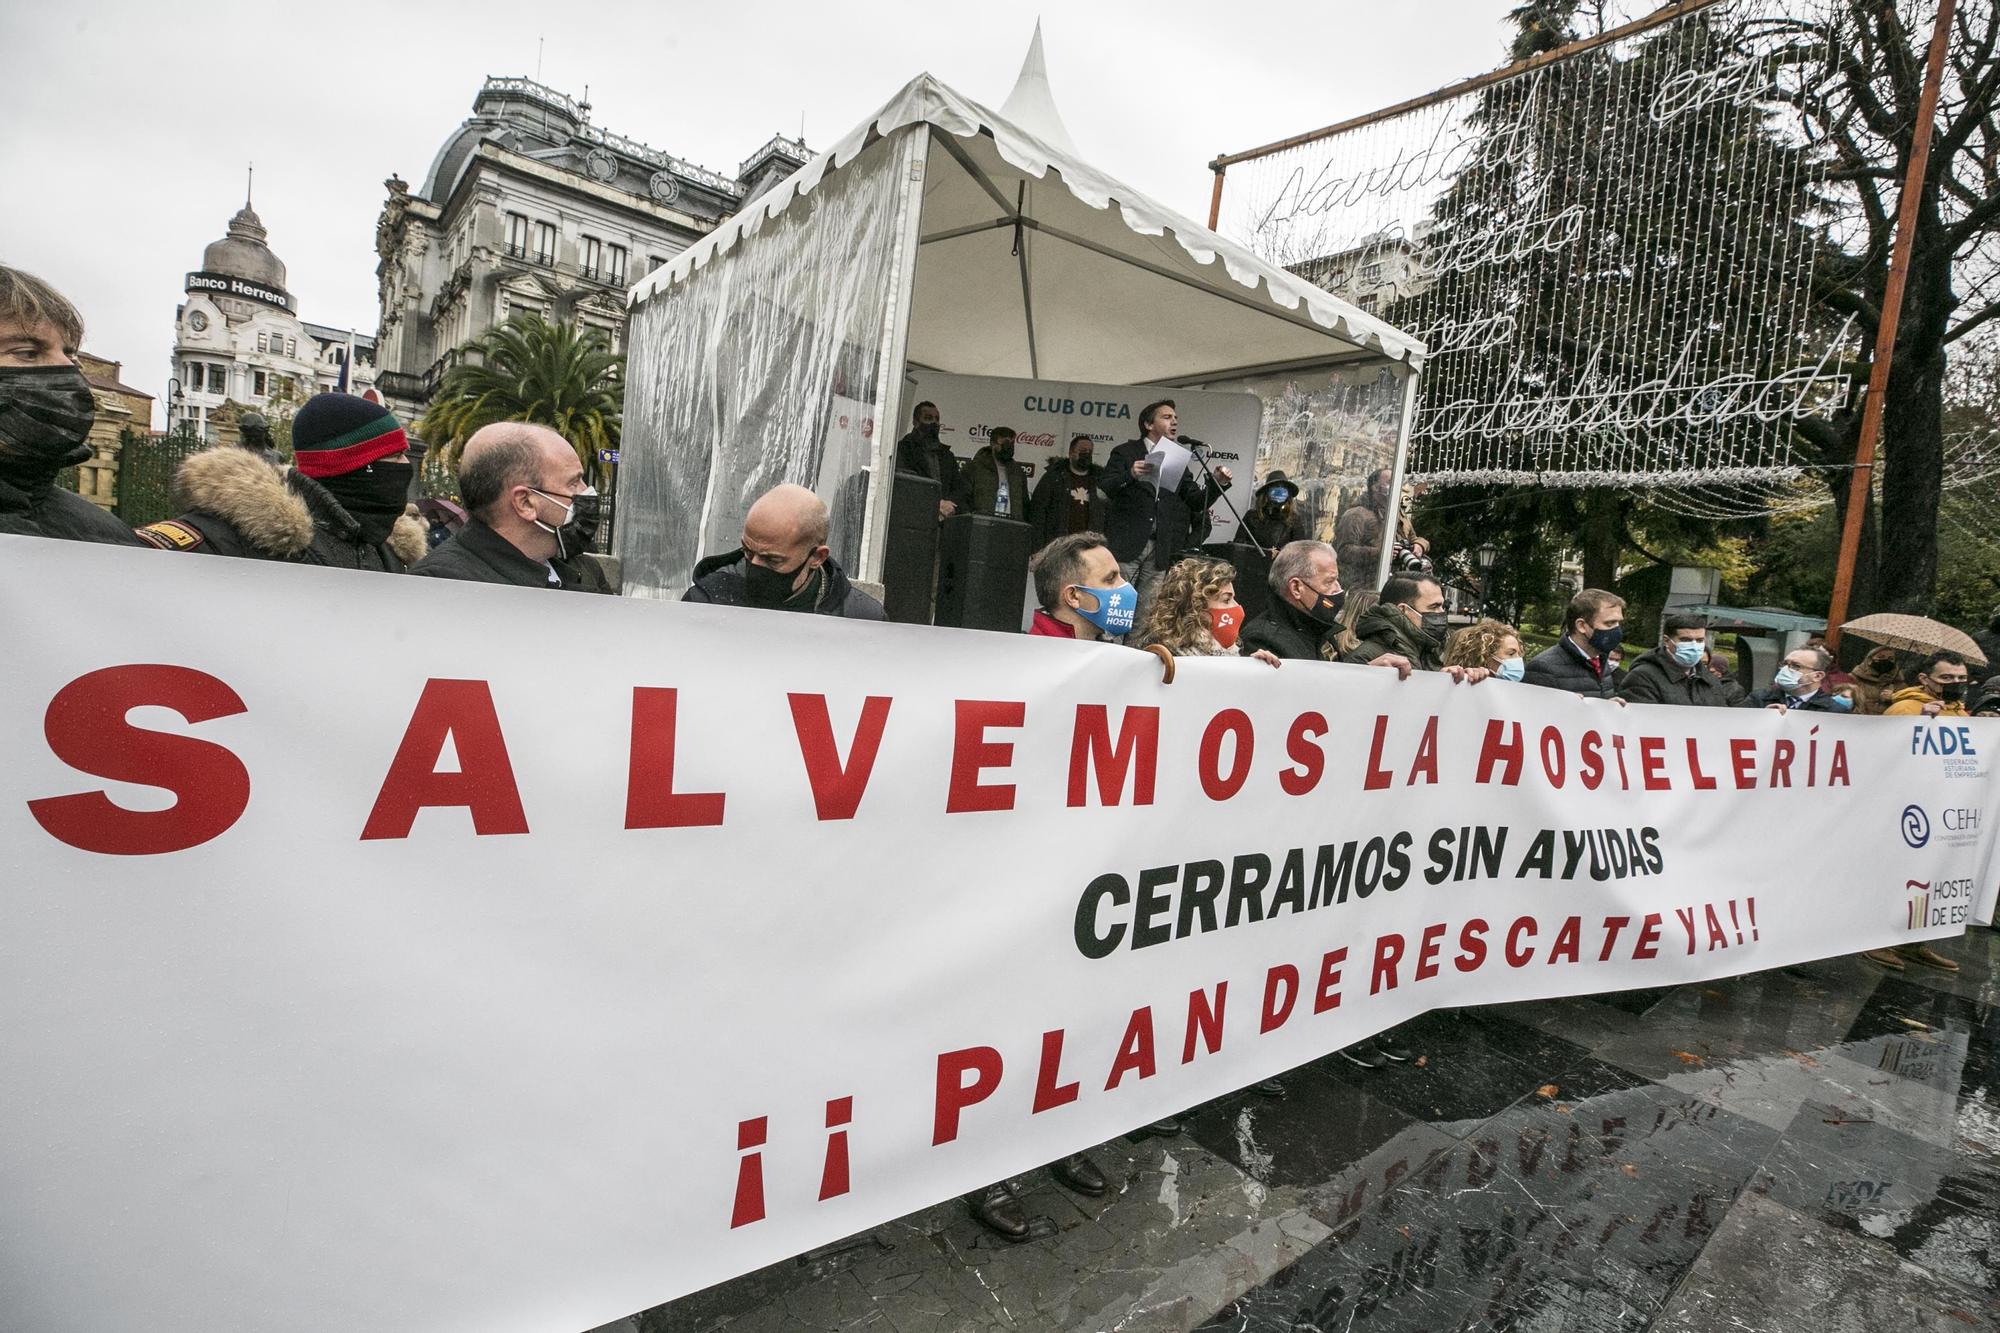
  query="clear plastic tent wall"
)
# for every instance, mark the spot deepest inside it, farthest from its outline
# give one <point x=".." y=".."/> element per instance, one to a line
<point x="762" y="367"/>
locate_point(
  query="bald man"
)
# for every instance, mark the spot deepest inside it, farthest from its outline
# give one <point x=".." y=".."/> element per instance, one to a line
<point x="783" y="563"/>
<point x="530" y="515"/>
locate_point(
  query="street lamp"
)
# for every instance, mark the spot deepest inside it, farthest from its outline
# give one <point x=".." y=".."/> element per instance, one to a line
<point x="175" y="397"/>
<point x="1486" y="556"/>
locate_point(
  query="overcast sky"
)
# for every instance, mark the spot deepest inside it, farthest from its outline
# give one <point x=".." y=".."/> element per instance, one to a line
<point x="132" y="120"/>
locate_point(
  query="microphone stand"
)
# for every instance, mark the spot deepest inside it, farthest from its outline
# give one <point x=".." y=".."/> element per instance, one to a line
<point x="1192" y="447"/>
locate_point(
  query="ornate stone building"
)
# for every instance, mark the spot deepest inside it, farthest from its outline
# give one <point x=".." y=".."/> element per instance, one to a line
<point x="238" y="336"/>
<point x="529" y="206"/>
<point x="120" y="408"/>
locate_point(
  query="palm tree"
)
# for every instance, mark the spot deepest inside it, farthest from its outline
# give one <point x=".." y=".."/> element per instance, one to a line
<point x="560" y="375"/>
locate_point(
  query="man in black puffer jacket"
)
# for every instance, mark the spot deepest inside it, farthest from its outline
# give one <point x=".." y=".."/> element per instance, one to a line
<point x="1673" y="672"/>
<point x="341" y="504"/>
<point x="530" y="514"/>
<point x="46" y="411"/>
<point x="1579" y="661"/>
<point x="783" y="563"/>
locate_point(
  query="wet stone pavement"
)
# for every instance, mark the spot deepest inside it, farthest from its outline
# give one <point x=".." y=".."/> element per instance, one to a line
<point x="1810" y="1150"/>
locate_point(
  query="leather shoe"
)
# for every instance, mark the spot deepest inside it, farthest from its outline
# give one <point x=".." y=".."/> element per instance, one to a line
<point x="1365" y="1054"/>
<point x="1270" y="1087"/>
<point x="996" y="1209"/>
<point x="1929" y="957"/>
<point x="1164" y="1128"/>
<point x="1394" y="1048"/>
<point x="1080" y="1174"/>
<point x="1886" y="957"/>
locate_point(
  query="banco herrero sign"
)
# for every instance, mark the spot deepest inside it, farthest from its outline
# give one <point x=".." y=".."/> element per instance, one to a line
<point x="222" y="284"/>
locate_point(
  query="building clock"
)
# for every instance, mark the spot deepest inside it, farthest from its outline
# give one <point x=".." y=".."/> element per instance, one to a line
<point x="198" y="322"/>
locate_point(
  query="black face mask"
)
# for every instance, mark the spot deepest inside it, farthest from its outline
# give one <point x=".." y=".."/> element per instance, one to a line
<point x="45" y="417"/>
<point x="1953" y="692"/>
<point x="928" y="432"/>
<point x="1005" y="452"/>
<point x="766" y="587"/>
<point x="584" y="518"/>
<point x="1437" y="625"/>
<point x="1080" y="466"/>
<point x="373" y="495"/>
<point x="1326" y="609"/>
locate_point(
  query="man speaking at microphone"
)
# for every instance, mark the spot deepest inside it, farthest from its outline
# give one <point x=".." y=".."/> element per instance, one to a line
<point x="1156" y="498"/>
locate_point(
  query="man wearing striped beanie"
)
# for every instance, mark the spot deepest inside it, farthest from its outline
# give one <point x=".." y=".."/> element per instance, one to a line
<point x="342" y="502"/>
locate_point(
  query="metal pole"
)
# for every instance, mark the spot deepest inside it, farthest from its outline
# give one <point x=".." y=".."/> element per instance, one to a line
<point x="1860" y="487"/>
<point x="910" y="166"/>
<point x="1391" y="524"/>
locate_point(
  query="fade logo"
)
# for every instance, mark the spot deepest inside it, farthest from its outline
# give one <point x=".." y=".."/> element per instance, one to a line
<point x="1916" y="826"/>
<point x="1919" y="891"/>
<point x="1951" y="745"/>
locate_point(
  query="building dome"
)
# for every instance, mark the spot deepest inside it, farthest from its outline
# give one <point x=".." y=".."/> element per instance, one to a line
<point x="243" y="254"/>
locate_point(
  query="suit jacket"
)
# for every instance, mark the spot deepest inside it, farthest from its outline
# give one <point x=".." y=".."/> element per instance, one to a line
<point x="1134" y="512"/>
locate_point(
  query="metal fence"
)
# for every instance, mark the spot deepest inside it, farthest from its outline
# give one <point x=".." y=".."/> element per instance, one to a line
<point x="146" y="467"/>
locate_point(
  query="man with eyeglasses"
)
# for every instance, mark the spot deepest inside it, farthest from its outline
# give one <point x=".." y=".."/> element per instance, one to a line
<point x="1799" y="685"/>
<point x="783" y="563"/>
<point x="530" y="514"/>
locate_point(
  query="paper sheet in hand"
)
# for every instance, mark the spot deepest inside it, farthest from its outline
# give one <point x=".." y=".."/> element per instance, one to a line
<point x="1169" y="461"/>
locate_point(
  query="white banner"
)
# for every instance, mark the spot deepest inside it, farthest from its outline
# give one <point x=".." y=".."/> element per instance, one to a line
<point x="1047" y="414"/>
<point x="393" y="954"/>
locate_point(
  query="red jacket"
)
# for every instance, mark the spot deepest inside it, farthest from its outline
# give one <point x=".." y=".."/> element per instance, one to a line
<point x="1048" y="627"/>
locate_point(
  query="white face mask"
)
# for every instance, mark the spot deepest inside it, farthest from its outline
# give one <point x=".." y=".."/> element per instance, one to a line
<point x="568" y="525"/>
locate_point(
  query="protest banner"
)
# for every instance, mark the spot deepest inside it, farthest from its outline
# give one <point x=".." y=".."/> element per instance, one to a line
<point x="394" y="954"/>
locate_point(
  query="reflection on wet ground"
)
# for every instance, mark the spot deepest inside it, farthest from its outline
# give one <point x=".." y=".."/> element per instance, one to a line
<point x="1815" y="1150"/>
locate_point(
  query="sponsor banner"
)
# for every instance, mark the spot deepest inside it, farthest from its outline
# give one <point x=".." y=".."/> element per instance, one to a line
<point x="1047" y="414"/>
<point x="391" y="953"/>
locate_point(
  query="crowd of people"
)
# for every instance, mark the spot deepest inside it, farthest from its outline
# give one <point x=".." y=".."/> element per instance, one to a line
<point x="1115" y="564"/>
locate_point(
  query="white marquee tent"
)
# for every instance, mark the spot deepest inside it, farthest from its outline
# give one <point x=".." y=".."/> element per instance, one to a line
<point x="942" y="235"/>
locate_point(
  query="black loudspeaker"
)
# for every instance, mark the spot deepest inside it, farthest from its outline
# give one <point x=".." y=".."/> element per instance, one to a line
<point x="1253" y="574"/>
<point x="909" y="554"/>
<point x="983" y="572"/>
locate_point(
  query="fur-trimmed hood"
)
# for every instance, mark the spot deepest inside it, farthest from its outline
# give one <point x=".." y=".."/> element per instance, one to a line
<point x="250" y="495"/>
<point x="266" y="508"/>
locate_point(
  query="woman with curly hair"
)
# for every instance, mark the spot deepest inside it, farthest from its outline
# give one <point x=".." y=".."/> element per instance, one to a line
<point x="1492" y="644"/>
<point x="1195" y="613"/>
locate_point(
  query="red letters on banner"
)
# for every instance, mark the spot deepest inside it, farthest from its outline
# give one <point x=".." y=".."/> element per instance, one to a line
<point x="1090" y="749"/>
<point x="463" y="711"/>
<point x="972" y="754"/>
<point x="650" y="798"/>
<point x="837" y="788"/>
<point x="86" y="728"/>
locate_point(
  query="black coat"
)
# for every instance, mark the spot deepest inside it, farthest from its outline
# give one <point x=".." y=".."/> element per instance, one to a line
<point x="1135" y="512"/>
<point x="1274" y="529"/>
<point x="238" y="505"/>
<point x="1562" y="668"/>
<point x="719" y="580"/>
<point x="937" y="462"/>
<point x="1657" y="679"/>
<point x="1819" y="702"/>
<point x="1385" y="629"/>
<point x="478" y="554"/>
<point x="40" y="508"/>
<point x="1047" y="505"/>
<point x="1283" y="630"/>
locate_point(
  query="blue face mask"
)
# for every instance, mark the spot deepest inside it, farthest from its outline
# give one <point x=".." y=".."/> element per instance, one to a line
<point x="1278" y="495"/>
<point x="1114" y="607"/>
<point x="1513" y="668"/>
<point x="1841" y="703"/>
<point x="1786" y="678"/>
<point x="1689" y="654"/>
